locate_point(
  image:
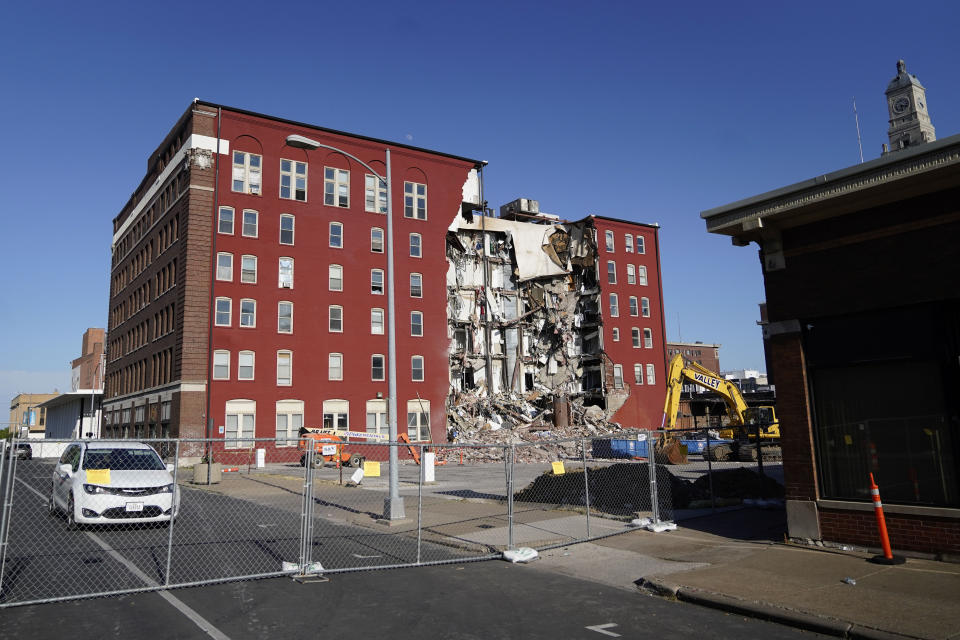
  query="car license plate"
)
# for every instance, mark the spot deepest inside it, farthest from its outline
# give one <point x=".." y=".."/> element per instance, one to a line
<point x="134" y="506"/>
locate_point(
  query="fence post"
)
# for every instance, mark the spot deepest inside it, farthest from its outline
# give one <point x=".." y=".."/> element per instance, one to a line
<point x="306" y="512"/>
<point x="174" y="511"/>
<point x="511" y="454"/>
<point x="652" y="467"/>
<point x="586" y="481"/>
<point x="420" y="501"/>
<point x="7" y="499"/>
<point x="709" y="456"/>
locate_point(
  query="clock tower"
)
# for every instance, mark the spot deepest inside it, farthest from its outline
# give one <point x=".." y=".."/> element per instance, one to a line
<point x="907" y="105"/>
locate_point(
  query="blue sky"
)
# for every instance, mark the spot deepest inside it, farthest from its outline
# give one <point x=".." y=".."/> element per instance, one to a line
<point x="651" y="112"/>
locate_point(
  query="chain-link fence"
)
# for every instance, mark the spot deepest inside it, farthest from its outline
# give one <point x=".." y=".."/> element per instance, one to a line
<point x="102" y="517"/>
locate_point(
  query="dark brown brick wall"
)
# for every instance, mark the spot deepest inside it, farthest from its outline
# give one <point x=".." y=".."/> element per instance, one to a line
<point x="793" y="411"/>
<point x="907" y="533"/>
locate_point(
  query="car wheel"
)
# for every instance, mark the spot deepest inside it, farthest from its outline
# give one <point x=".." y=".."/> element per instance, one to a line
<point x="71" y="518"/>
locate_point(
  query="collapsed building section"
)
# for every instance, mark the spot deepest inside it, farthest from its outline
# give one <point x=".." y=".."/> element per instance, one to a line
<point x="526" y="323"/>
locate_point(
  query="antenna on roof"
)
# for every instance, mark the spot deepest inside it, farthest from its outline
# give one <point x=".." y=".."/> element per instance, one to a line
<point x="857" y="119"/>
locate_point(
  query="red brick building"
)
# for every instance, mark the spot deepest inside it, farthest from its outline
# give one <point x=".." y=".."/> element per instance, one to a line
<point x="861" y="269"/>
<point x="260" y="267"/>
<point x="631" y="305"/>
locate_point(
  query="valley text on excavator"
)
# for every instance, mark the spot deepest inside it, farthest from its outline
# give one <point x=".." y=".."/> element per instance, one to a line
<point x="739" y="439"/>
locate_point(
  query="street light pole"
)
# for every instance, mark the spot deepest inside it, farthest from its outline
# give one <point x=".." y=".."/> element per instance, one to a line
<point x="393" y="504"/>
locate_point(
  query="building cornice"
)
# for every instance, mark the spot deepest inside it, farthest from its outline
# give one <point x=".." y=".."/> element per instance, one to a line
<point x="752" y="213"/>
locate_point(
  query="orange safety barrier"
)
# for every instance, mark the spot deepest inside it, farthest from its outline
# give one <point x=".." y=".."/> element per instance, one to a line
<point x="887" y="557"/>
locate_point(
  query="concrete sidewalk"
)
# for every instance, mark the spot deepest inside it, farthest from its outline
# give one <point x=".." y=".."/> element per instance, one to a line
<point x="735" y="559"/>
<point x="703" y="563"/>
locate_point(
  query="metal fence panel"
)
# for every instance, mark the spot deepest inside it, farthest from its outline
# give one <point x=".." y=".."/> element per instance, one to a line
<point x="260" y="507"/>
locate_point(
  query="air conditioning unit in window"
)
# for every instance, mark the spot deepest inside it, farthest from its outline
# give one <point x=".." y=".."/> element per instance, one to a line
<point x="286" y="285"/>
<point x="255" y="191"/>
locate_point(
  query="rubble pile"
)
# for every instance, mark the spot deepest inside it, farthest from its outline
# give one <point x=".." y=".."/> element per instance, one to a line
<point x="622" y="488"/>
<point x="513" y="418"/>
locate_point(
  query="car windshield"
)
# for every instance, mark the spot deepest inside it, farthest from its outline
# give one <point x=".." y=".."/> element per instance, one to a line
<point x="123" y="460"/>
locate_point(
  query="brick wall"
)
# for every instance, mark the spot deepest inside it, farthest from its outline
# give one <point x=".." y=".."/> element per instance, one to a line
<point x="907" y="533"/>
<point x="793" y="411"/>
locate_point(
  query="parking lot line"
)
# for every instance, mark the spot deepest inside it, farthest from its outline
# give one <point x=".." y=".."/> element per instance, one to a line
<point x="178" y="604"/>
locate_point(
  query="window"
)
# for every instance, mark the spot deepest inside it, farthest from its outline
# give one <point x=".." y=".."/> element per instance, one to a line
<point x="250" y="223"/>
<point x="616" y="334"/>
<point x="640" y="248"/>
<point x="651" y="375"/>
<point x="224" y="309"/>
<point x="225" y="222"/>
<point x="335" y="277"/>
<point x="246" y="172"/>
<point x="638" y="373"/>
<point x="376" y="367"/>
<point x="628" y="243"/>
<point x="416" y="285"/>
<point x="633" y="306"/>
<point x="376" y="321"/>
<point x="336" y="414"/>
<point x="375" y="194"/>
<point x="376" y="240"/>
<point x="248" y="269"/>
<point x="336" y="235"/>
<point x="336" y="187"/>
<point x="631" y="274"/>
<point x="418" y="420"/>
<point x="289" y="421"/>
<point x="648" y="338"/>
<point x="248" y="313"/>
<point x="416" y="368"/>
<point x="240" y="423"/>
<point x="608" y="235"/>
<point x="416" y="323"/>
<point x="284" y="317"/>
<point x="284" y="368"/>
<point x="225" y="266"/>
<point x="335" y="366"/>
<point x="645" y="307"/>
<point x="416" y="245"/>
<point x="614" y="306"/>
<point x="635" y="334"/>
<point x="286" y="228"/>
<point x="335" y="323"/>
<point x="286" y="273"/>
<point x="618" y="376"/>
<point x="642" y="275"/>
<point x="245" y="365"/>
<point x="221" y="365"/>
<point x="293" y="180"/>
<point x="376" y="281"/>
<point x="611" y="272"/>
<point x="377" y="416"/>
<point x="415" y="200"/>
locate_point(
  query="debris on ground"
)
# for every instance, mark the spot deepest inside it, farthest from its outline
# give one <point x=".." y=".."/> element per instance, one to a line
<point x="513" y="418"/>
<point x="624" y="488"/>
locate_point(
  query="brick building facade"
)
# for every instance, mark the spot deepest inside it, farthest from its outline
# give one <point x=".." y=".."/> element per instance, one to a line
<point x="863" y="334"/>
<point x="260" y="265"/>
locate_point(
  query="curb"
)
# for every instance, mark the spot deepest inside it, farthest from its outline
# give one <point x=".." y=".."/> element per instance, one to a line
<point x="764" y="611"/>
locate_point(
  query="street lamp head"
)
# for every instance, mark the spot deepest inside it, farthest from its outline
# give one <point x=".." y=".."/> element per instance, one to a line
<point x="301" y="142"/>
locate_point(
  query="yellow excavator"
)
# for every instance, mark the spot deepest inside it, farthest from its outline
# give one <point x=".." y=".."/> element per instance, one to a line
<point x="739" y="438"/>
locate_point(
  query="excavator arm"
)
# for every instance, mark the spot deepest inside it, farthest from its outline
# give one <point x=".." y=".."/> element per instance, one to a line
<point x="678" y="372"/>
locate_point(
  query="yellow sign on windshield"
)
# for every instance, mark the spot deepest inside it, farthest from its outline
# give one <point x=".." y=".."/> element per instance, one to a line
<point x="98" y="476"/>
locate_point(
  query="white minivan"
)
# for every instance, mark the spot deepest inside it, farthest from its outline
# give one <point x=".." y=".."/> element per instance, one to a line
<point x="113" y="482"/>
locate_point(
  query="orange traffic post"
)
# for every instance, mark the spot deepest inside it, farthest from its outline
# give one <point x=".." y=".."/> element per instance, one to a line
<point x="887" y="557"/>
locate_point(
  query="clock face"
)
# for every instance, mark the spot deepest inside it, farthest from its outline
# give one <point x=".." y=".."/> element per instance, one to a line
<point x="901" y="104"/>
